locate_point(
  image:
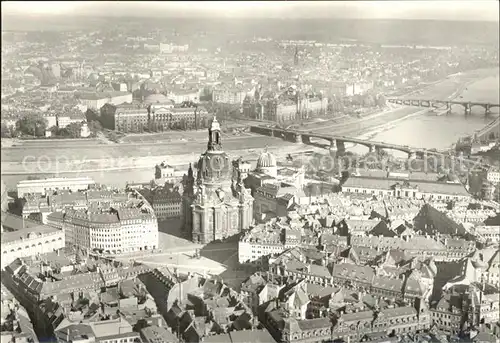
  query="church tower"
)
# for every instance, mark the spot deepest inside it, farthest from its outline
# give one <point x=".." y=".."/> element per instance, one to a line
<point x="213" y="210"/>
<point x="214" y="139"/>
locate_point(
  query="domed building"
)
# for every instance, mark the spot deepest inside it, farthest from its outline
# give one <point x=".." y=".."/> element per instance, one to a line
<point x="268" y="172"/>
<point x="156" y="98"/>
<point x="216" y="206"/>
<point x="93" y="79"/>
<point x="266" y="164"/>
<point x="274" y="188"/>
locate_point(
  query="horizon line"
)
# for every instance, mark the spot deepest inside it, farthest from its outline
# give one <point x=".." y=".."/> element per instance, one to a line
<point x="444" y="10"/>
<point x="210" y="17"/>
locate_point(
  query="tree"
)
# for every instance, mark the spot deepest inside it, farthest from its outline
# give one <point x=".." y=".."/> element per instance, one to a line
<point x="357" y="100"/>
<point x="368" y="100"/>
<point x="54" y="130"/>
<point x="95" y="126"/>
<point x="380" y="100"/>
<point x="92" y="115"/>
<point x="183" y="124"/>
<point x="32" y="125"/>
<point x="73" y="130"/>
<point x="113" y="136"/>
<point x="6" y="131"/>
<point x="205" y="122"/>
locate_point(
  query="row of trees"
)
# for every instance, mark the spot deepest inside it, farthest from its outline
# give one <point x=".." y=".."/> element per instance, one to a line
<point x="71" y="131"/>
<point x="223" y="111"/>
<point x="337" y="104"/>
<point x="28" y="125"/>
<point x="36" y="126"/>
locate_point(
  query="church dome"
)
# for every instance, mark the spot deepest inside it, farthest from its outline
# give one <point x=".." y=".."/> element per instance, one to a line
<point x="266" y="160"/>
<point x="214" y="167"/>
<point x="156" y="98"/>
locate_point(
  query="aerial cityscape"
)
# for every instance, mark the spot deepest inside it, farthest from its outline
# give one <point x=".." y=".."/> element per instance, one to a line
<point x="237" y="172"/>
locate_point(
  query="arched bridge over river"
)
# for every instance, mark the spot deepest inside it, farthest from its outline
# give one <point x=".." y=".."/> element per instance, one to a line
<point x="467" y="105"/>
<point x="337" y="143"/>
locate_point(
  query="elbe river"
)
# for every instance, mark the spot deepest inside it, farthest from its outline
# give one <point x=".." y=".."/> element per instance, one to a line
<point x="425" y="130"/>
<point x="440" y="132"/>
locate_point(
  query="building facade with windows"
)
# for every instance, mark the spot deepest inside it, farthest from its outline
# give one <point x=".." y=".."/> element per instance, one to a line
<point x="97" y="100"/>
<point x="114" y="231"/>
<point x="165" y="200"/>
<point x="30" y="242"/>
<point x="48" y="186"/>
<point x="131" y="119"/>
<point x="387" y="187"/>
<point x="163" y="114"/>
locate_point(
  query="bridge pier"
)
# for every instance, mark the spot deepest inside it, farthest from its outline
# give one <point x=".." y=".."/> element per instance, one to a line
<point x="306" y="139"/>
<point x="467" y="108"/>
<point x="337" y="147"/>
<point x="298" y="138"/>
<point x="333" y="148"/>
<point x="487" y="109"/>
<point x="448" y="108"/>
<point x="340" y="147"/>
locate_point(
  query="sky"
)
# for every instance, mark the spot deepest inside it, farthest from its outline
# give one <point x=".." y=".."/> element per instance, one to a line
<point x="481" y="10"/>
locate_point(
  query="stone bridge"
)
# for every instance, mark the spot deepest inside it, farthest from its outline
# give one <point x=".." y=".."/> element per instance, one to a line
<point x="443" y="103"/>
<point x="337" y="143"/>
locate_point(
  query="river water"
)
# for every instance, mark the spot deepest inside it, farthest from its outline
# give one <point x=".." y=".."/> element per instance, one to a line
<point x="440" y="132"/>
<point x="426" y="131"/>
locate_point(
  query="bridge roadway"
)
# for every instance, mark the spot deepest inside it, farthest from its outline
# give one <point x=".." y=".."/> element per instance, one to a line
<point x="491" y="128"/>
<point x="443" y="103"/>
<point x="337" y="143"/>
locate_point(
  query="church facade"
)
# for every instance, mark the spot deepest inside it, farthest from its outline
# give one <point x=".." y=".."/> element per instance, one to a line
<point x="216" y="203"/>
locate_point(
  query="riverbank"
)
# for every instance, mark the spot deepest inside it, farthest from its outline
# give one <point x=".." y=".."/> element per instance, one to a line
<point x="447" y="89"/>
<point x="134" y="161"/>
<point x="110" y="172"/>
<point x="426" y="130"/>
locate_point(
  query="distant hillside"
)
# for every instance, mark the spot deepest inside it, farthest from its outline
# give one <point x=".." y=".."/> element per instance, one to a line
<point x="426" y="32"/>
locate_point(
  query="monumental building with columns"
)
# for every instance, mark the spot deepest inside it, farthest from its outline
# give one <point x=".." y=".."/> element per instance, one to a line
<point x="216" y="203"/>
